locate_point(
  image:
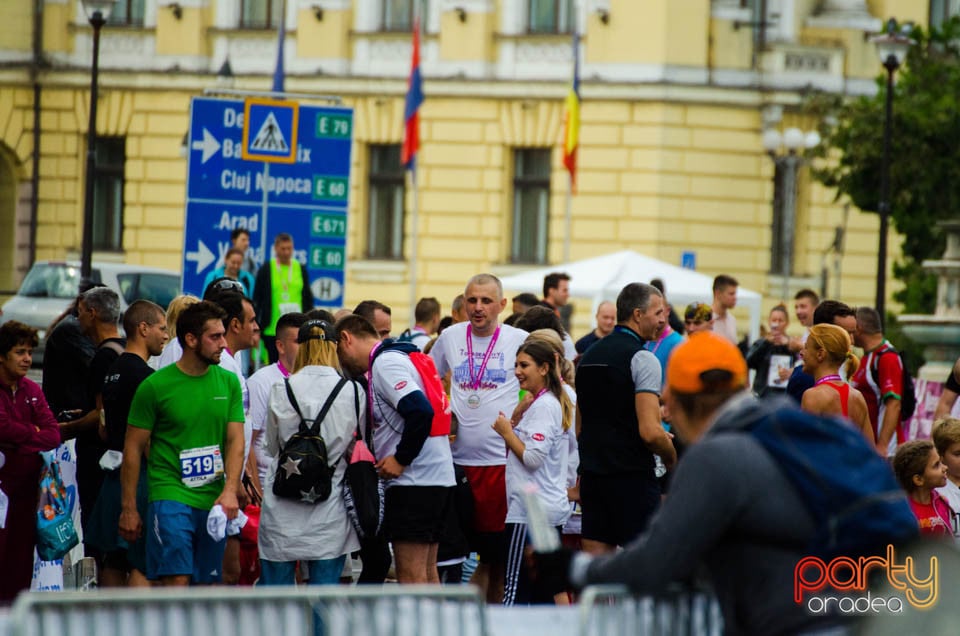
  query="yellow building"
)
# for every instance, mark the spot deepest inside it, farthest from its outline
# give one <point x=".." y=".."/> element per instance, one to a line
<point x="677" y="95"/>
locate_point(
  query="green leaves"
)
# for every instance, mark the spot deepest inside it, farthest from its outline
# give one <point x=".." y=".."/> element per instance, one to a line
<point x="925" y="153"/>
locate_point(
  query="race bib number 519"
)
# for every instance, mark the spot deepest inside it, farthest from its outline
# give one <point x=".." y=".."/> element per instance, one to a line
<point x="199" y="466"/>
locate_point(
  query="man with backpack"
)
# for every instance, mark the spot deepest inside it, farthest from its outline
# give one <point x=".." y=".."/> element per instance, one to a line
<point x="411" y="422"/>
<point x="883" y="380"/>
<point x="427" y="316"/>
<point x="759" y="489"/>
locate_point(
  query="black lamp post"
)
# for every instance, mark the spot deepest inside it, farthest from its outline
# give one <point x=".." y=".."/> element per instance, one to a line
<point x="97" y="13"/>
<point x="892" y="48"/>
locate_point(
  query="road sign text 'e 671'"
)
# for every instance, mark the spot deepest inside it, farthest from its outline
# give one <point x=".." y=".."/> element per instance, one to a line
<point x="324" y="225"/>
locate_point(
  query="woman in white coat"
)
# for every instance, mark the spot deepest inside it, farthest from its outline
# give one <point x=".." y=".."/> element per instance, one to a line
<point x="319" y="534"/>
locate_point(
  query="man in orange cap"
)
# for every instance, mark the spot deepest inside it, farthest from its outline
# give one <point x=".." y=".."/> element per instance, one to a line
<point x="731" y="508"/>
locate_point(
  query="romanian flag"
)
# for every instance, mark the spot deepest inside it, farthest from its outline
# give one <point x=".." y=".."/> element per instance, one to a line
<point x="571" y="127"/>
<point x="411" y="112"/>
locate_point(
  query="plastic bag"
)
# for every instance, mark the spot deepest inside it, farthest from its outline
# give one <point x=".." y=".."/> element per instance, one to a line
<point x="56" y="534"/>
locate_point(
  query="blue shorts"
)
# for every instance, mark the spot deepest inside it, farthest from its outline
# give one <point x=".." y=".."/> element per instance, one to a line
<point x="178" y="544"/>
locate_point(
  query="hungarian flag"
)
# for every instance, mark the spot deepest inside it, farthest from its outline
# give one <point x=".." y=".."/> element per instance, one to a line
<point x="411" y="112"/>
<point x="571" y="127"/>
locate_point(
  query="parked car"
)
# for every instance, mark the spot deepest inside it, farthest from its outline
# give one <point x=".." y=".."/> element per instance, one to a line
<point x="50" y="287"/>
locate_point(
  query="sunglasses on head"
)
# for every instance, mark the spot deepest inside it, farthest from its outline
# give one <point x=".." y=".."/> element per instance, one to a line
<point x="226" y="283"/>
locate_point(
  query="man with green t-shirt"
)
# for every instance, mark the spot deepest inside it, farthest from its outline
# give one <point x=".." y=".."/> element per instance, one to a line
<point x="282" y="287"/>
<point x="191" y="415"/>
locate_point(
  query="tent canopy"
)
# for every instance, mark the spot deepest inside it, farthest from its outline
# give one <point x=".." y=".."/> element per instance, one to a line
<point x="601" y="278"/>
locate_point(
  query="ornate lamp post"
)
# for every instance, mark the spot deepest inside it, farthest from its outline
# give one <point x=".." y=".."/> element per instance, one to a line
<point x="892" y="48"/>
<point x="97" y="13"/>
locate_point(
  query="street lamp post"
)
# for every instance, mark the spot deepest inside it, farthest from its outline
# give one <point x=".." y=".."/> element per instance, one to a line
<point x="97" y="13"/>
<point x="892" y="48"/>
<point x="794" y="141"/>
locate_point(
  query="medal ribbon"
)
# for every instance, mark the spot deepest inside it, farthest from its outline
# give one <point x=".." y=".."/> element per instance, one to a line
<point x="828" y="378"/>
<point x="475" y="379"/>
<point x="276" y="272"/>
<point x="666" y="332"/>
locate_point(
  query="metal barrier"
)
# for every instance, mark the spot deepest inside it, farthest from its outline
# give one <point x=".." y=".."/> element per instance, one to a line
<point x="607" y="610"/>
<point x="263" y="611"/>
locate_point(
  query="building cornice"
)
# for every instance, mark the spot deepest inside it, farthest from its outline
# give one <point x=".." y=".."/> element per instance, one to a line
<point x="748" y="95"/>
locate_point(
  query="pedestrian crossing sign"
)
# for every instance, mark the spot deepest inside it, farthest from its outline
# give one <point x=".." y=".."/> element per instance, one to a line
<point x="270" y="130"/>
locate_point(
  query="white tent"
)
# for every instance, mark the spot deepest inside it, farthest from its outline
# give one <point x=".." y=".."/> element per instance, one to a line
<point x="603" y="277"/>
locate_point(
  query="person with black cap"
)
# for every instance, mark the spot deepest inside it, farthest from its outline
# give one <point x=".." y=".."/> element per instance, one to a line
<point x="317" y="533"/>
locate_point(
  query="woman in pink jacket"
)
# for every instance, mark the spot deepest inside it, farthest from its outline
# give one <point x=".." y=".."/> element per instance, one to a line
<point x="26" y="427"/>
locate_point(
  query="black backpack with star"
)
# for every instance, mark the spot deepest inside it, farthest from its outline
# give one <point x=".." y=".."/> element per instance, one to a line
<point x="304" y="472"/>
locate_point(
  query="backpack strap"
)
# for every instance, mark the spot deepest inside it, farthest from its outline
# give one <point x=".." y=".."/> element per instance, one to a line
<point x="113" y="345"/>
<point x="356" y="409"/>
<point x="315" y="428"/>
<point x="296" y="407"/>
<point x="875" y="364"/>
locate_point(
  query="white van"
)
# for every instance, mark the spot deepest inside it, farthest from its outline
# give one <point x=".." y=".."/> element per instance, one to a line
<point x="50" y="287"/>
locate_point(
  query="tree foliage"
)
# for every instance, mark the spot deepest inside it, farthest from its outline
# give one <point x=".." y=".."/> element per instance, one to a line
<point x="925" y="153"/>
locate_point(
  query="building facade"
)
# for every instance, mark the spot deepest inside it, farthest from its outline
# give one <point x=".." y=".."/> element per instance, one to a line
<point x="677" y="96"/>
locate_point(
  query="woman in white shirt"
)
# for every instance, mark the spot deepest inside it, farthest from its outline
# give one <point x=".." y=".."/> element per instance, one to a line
<point x="538" y="453"/>
<point x="318" y="533"/>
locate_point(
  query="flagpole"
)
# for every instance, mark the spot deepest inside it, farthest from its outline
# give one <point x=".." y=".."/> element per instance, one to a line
<point x="415" y="209"/>
<point x="408" y="155"/>
<point x="571" y="142"/>
<point x="569" y="220"/>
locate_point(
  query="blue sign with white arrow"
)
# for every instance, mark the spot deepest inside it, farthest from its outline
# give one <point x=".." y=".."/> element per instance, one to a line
<point x="268" y="166"/>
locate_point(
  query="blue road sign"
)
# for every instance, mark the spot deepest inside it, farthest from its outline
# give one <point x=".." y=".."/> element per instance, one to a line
<point x="306" y="199"/>
<point x="688" y="260"/>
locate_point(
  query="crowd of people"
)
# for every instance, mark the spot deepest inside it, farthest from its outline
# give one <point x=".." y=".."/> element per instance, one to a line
<point x="182" y="443"/>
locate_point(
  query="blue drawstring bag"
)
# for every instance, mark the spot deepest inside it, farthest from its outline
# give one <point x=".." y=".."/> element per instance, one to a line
<point x="56" y="534"/>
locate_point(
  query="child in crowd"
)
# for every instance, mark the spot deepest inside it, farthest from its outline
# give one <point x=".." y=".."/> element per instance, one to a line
<point x="920" y="472"/>
<point x="946" y="437"/>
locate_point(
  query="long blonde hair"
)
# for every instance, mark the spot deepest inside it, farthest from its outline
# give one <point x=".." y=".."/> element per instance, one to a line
<point x="316" y="351"/>
<point x="836" y="342"/>
<point x="175" y="308"/>
<point x="543" y="353"/>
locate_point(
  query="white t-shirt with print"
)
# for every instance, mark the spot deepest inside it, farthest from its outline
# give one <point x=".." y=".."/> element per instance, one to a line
<point x="258" y="386"/>
<point x="477" y="444"/>
<point x="546" y="456"/>
<point x="229" y="362"/>
<point x="393" y="378"/>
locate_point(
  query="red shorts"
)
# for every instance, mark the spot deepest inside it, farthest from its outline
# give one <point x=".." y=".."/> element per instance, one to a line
<point x="489" y="487"/>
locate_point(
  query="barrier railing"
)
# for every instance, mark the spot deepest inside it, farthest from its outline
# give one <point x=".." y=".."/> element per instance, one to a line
<point x="607" y="610"/>
<point x="262" y="611"/>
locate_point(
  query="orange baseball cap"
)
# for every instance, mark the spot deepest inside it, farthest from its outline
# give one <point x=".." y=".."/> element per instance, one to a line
<point x="705" y="351"/>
